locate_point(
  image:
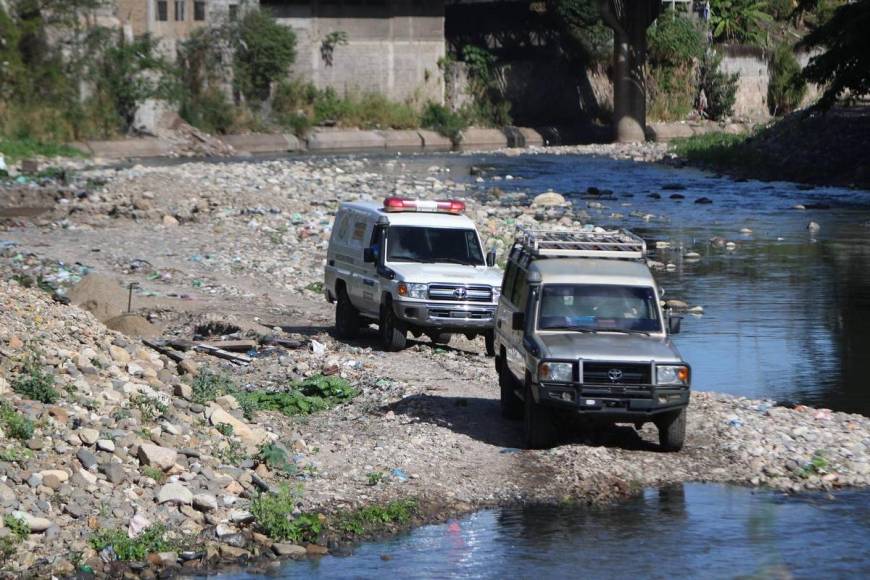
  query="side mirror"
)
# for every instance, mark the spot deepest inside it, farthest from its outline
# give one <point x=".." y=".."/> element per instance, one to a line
<point x="674" y="323"/>
<point x="490" y="258"/>
<point x="518" y="321"/>
<point x="369" y="256"/>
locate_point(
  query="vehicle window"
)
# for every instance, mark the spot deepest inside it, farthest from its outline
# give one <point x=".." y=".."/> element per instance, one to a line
<point x="507" y="284"/>
<point x="434" y="245"/>
<point x="520" y="290"/>
<point x="343" y="227"/>
<point x="375" y="241"/>
<point x="359" y="232"/>
<point x="599" y="307"/>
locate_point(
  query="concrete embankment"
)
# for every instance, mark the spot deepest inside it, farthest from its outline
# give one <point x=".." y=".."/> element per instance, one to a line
<point x="329" y="140"/>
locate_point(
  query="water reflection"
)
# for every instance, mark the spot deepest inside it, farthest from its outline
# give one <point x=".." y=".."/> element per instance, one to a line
<point x="787" y="313"/>
<point x="692" y="530"/>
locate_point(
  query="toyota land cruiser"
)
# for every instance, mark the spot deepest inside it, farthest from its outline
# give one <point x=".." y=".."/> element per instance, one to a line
<point x="580" y="329"/>
<point x="410" y="266"/>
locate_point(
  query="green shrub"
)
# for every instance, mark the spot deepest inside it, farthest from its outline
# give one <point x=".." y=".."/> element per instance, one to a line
<point x="273" y="513"/>
<point x="208" y="386"/>
<point x="210" y="111"/>
<point x="446" y="122"/>
<point x="719" y="87"/>
<point x="787" y="87"/>
<point x="151" y="540"/>
<point x="18" y="527"/>
<point x="34" y="382"/>
<point x="714" y="148"/>
<point x="275" y="458"/>
<point x="374" y="519"/>
<point x="671" y="92"/>
<point x="15" y="424"/>
<point x="674" y="40"/>
<point x="309" y="396"/>
<point x="263" y="51"/>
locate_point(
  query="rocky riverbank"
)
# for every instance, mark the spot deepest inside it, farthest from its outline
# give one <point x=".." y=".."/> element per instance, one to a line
<point x="125" y="456"/>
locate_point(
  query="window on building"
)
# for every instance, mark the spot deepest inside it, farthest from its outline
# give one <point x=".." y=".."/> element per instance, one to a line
<point x="179" y="10"/>
<point x="162" y="10"/>
<point x="234" y="12"/>
<point x="199" y="10"/>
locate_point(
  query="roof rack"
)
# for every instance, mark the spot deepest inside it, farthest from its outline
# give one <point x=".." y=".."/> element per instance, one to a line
<point x="585" y="243"/>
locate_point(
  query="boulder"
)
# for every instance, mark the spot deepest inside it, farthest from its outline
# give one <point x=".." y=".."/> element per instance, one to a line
<point x="156" y="456"/>
<point x="174" y="493"/>
<point x="250" y="436"/>
<point x="549" y="199"/>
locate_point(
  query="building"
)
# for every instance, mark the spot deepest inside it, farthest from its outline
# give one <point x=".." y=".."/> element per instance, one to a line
<point x="172" y="20"/>
<point x="392" y="47"/>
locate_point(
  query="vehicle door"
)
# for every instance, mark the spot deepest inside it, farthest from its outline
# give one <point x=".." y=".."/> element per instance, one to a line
<point x="370" y="279"/>
<point x="516" y="358"/>
<point x="359" y="230"/>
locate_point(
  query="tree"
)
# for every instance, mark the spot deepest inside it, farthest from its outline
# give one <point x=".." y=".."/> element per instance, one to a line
<point x="786" y="88"/>
<point x="739" y="20"/>
<point x="263" y="52"/>
<point x="845" y="65"/>
<point x="629" y="20"/>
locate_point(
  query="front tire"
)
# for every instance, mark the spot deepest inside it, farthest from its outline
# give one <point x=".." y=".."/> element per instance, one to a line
<point x="511" y="404"/>
<point x="539" y="422"/>
<point x="489" y="341"/>
<point x="393" y="334"/>
<point x="672" y="430"/>
<point x="347" y="319"/>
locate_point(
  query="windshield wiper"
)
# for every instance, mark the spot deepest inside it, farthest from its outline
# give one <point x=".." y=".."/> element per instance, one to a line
<point x="409" y="259"/>
<point x="573" y="329"/>
<point x="454" y="261"/>
<point x="624" y="331"/>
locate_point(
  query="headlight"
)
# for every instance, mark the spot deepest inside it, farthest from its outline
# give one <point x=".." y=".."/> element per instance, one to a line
<point x="559" y="372"/>
<point x="496" y="293"/>
<point x="412" y="290"/>
<point x="672" y="375"/>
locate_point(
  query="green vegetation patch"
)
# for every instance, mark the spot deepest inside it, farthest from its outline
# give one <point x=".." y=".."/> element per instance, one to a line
<point x="151" y="540"/>
<point x="14" y="149"/>
<point x="273" y="513"/>
<point x="376" y="519"/>
<point x="34" y="382"/>
<point x="714" y="148"/>
<point x="14" y="424"/>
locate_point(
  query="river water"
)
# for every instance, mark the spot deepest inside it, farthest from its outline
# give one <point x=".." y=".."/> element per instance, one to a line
<point x="786" y="317"/>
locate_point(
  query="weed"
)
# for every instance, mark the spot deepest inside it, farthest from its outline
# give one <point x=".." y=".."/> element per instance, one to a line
<point x="716" y="148"/>
<point x="22" y="148"/>
<point x="150" y="408"/>
<point x="316" y="287"/>
<point x="275" y="458"/>
<point x="233" y="454"/>
<point x="225" y="429"/>
<point x="208" y="386"/>
<point x="19" y="528"/>
<point x="152" y="539"/>
<point x="34" y="382"/>
<point x="15" y="424"/>
<point x="8" y="546"/>
<point x="273" y="513"/>
<point x="309" y="396"/>
<point x="154" y="473"/>
<point x="374" y="519"/>
<point x="375" y="477"/>
<point x="15" y="454"/>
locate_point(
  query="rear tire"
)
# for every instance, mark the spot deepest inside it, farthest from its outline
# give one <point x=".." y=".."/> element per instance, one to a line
<point x="489" y="341"/>
<point x="441" y="338"/>
<point x="511" y="404"/>
<point x="347" y="319"/>
<point x="540" y="427"/>
<point x="672" y="430"/>
<point x="393" y="333"/>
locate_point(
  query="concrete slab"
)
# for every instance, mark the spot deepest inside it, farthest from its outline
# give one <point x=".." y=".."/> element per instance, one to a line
<point x="532" y="137"/>
<point x="663" y="132"/>
<point x="479" y="138"/>
<point x="433" y="141"/>
<point x="258" y="143"/>
<point x="402" y="140"/>
<point x="146" y="147"/>
<point x="345" y="140"/>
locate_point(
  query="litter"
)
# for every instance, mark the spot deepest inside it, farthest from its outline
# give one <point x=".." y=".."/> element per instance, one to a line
<point x="399" y="474"/>
<point x="735" y="422"/>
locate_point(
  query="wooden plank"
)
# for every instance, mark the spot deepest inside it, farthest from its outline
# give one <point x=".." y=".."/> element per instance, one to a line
<point x="160" y="346"/>
<point x="231" y="345"/>
<point x="238" y="359"/>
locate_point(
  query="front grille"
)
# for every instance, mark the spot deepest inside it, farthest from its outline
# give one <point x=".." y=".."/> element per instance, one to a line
<point x="611" y="374"/>
<point x="446" y="313"/>
<point x="460" y="293"/>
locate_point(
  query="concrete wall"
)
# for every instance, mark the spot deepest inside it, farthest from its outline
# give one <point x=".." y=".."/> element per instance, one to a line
<point x="393" y="46"/>
<point x="140" y="17"/>
<point x="751" y="97"/>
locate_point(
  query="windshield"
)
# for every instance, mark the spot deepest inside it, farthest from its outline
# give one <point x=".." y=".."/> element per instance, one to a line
<point x="429" y="245"/>
<point x="593" y="308"/>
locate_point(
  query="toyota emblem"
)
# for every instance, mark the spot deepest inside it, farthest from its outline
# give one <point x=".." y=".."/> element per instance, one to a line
<point x="614" y="374"/>
<point x="460" y="293"/>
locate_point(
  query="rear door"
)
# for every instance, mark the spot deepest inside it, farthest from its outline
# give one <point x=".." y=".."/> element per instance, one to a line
<point x="370" y="280"/>
<point x="516" y="358"/>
